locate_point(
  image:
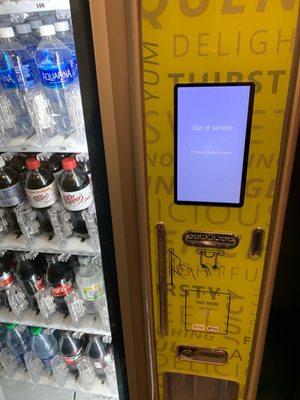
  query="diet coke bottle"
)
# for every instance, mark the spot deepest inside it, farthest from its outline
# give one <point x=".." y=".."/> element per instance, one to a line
<point x="76" y="193"/>
<point x="41" y="191"/>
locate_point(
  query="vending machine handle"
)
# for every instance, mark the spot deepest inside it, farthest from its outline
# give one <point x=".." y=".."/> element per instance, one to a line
<point x="161" y="241"/>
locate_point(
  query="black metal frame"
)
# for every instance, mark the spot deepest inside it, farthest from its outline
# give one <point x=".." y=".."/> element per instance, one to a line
<point x="246" y="148"/>
<point x="91" y="108"/>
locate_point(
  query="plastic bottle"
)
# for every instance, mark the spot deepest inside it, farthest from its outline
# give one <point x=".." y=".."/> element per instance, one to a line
<point x="27" y="38"/>
<point x="43" y="346"/>
<point x="71" y="350"/>
<point x="41" y="191"/>
<point x="59" y="276"/>
<point x="7" y="261"/>
<point x="76" y="192"/>
<point x="19" y="82"/>
<point x="11" y="195"/>
<point x="3" y="335"/>
<point x="18" y="341"/>
<point x="17" y="162"/>
<point x="90" y="283"/>
<point x="35" y="25"/>
<point x="57" y="75"/>
<point x="12" y="54"/>
<point x="63" y="33"/>
<point x="30" y="278"/>
<point x="96" y="353"/>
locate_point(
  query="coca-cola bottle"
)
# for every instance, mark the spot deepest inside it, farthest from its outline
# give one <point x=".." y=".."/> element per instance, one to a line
<point x="71" y="350"/>
<point x="11" y="194"/>
<point x="59" y="276"/>
<point x="6" y="275"/>
<point x="30" y="278"/>
<point x="97" y="354"/>
<point x="76" y="193"/>
<point x="41" y="191"/>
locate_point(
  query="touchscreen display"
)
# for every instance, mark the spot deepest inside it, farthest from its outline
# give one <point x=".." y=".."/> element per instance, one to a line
<point x="212" y="134"/>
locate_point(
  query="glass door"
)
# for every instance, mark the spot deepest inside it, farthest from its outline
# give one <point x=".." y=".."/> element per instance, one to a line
<point x="60" y="314"/>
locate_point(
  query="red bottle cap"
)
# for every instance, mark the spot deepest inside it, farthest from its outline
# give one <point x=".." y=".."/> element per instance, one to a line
<point x="33" y="163"/>
<point x="69" y="163"/>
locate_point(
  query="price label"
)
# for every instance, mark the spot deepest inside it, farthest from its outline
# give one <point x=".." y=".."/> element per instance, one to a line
<point x="22" y="6"/>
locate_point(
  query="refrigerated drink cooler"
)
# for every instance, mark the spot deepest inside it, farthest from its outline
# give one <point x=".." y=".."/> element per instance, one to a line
<point x="61" y="331"/>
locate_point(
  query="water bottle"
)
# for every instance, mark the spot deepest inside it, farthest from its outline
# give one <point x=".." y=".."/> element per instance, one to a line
<point x="35" y="25"/>
<point x="12" y="103"/>
<point x="27" y="39"/>
<point x="19" y="81"/>
<point x="63" y="33"/>
<point x="43" y="346"/>
<point x="18" y="341"/>
<point x="59" y="79"/>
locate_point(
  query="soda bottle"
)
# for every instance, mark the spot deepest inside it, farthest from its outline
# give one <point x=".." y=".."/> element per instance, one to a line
<point x="83" y="163"/>
<point x="52" y="162"/>
<point x="35" y="25"/>
<point x="90" y="283"/>
<point x="3" y="334"/>
<point x="17" y="162"/>
<point x="27" y="38"/>
<point x="41" y="191"/>
<point x="96" y="353"/>
<point x="29" y="277"/>
<point x="11" y="194"/>
<point x="43" y="346"/>
<point x="18" y="341"/>
<point x="57" y="75"/>
<point x="20" y="84"/>
<point x="59" y="276"/>
<point x="76" y="193"/>
<point x="71" y="350"/>
<point x="6" y="275"/>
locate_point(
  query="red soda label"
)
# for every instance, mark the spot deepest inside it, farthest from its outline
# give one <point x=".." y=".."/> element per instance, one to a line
<point x="62" y="290"/>
<point x="6" y="280"/>
<point x="73" y="360"/>
<point x="39" y="284"/>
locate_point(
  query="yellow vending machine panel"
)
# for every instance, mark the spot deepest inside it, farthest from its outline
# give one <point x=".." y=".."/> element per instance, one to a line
<point x="208" y="237"/>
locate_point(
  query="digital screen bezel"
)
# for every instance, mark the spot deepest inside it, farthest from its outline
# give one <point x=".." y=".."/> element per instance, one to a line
<point x="246" y="147"/>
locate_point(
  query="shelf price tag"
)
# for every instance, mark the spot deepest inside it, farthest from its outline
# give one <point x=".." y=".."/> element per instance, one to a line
<point x="21" y="6"/>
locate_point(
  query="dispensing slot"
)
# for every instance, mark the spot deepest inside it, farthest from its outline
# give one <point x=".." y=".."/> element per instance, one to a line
<point x="202" y="354"/>
<point x="192" y="387"/>
<point x="161" y="239"/>
<point x="256" y="244"/>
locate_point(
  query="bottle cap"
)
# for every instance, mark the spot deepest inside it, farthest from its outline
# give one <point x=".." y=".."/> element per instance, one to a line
<point x="6" y="32"/>
<point x="35" y="330"/>
<point x="62" y="26"/>
<point x="69" y="163"/>
<point x="2" y="163"/>
<point x="33" y="163"/>
<point x="10" y="327"/>
<point x="22" y="29"/>
<point x="47" y="30"/>
<point x="36" y="23"/>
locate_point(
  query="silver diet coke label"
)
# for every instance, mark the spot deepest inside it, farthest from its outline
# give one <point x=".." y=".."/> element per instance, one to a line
<point x="79" y="200"/>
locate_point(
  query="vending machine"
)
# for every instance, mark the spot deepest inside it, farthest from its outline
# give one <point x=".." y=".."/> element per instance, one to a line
<point x="216" y="97"/>
<point x="66" y="315"/>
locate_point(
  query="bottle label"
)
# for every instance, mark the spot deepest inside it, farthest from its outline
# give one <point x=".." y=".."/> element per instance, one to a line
<point x="6" y="280"/>
<point x="79" y="200"/>
<point x="42" y="111"/>
<point x="57" y="76"/>
<point x="73" y="360"/>
<point x="12" y="195"/>
<point x="21" y="75"/>
<point x="62" y="290"/>
<point x="92" y="292"/>
<point x="39" y="284"/>
<point x="41" y="198"/>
